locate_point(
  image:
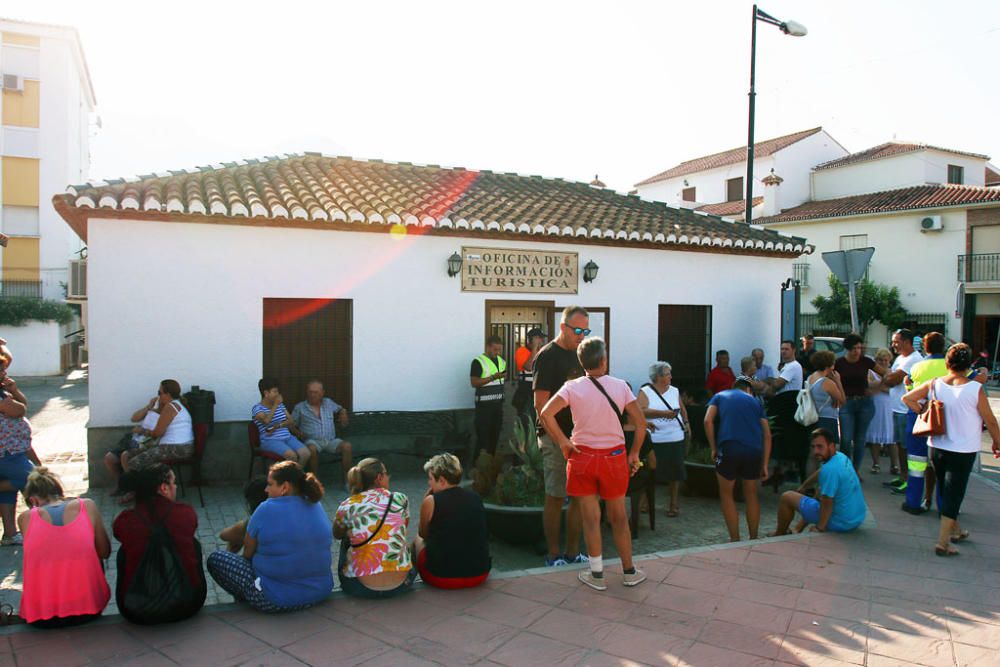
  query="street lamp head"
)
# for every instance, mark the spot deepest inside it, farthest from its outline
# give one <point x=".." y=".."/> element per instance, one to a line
<point x="794" y="28"/>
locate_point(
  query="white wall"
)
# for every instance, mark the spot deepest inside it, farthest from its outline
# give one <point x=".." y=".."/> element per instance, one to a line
<point x="898" y="171"/>
<point x="923" y="266"/>
<point x="36" y="348"/>
<point x="184" y="301"/>
<point x="792" y="163"/>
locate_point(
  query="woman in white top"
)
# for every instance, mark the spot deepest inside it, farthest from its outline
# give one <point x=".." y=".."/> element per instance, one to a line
<point x="954" y="453"/>
<point x="667" y="421"/>
<point x="173" y="433"/>
<point x="880" y="430"/>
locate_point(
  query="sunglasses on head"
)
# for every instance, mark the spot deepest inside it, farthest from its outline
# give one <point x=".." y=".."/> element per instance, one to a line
<point x="578" y="330"/>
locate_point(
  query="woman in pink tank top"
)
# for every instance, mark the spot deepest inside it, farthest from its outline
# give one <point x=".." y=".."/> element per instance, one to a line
<point x="64" y="544"/>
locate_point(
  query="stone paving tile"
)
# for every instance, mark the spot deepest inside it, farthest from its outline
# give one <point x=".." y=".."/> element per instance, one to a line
<point x="648" y="646"/>
<point x="274" y="658"/>
<point x="599" y="605"/>
<point x="599" y="659"/>
<point x="916" y="621"/>
<point x="700" y="655"/>
<point x="825" y="630"/>
<point x="912" y="648"/>
<point x="677" y="624"/>
<point x="796" y="650"/>
<point x="531" y="649"/>
<point x="755" y="641"/>
<point x="508" y="610"/>
<point x="572" y="628"/>
<point x="968" y="656"/>
<point x="345" y="647"/>
<point x="754" y="614"/>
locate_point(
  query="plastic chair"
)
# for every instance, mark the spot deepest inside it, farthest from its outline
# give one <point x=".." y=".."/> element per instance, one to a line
<point x="200" y="440"/>
<point x="253" y="438"/>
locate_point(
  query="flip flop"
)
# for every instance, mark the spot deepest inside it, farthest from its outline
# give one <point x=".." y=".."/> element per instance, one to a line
<point x="960" y="537"/>
<point x="944" y="551"/>
<point x="673" y="513"/>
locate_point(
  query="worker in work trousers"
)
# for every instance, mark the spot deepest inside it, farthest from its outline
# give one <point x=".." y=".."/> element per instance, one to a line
<point x="487" y="376"/>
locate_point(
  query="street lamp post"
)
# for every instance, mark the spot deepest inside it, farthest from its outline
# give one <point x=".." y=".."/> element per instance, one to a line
<point x="789" y="28"/>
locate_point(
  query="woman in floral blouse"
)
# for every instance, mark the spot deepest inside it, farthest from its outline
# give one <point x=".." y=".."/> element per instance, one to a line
<point x="371" y="524"/>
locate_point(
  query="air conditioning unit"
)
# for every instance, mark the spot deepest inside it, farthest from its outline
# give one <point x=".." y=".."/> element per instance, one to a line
<point x="13" y="82"/>
<point x="77" y="288"/>
<point x="931" y="223"/>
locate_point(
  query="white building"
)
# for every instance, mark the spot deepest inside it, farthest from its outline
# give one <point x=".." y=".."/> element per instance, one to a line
<point x="48" y="102"/>
<point x="331" y="267"/>
<point x="931" y="219"/>
<point x="715" y="183"/>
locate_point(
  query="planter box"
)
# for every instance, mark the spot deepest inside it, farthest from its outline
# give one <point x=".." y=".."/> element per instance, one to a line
<point x="702" y="482"/>
<point x="515" y="525"/>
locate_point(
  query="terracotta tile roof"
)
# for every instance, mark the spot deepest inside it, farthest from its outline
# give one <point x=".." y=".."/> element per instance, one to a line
<point x="342" y="193"/>
<point x="731" y="156"/>
<point x="887" y="150"/>
<point x="729" y="208"/>
<point x="992" y="176"/>
<point x="904" y="199"/>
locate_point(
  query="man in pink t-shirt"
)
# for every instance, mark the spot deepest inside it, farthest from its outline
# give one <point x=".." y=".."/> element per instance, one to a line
<point x="597" y="463"/>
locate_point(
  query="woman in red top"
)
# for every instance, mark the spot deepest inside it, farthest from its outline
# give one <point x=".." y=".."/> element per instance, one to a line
<point x="155" y="489"/>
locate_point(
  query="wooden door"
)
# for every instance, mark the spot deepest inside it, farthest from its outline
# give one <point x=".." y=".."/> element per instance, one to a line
<point x="685" y="342"/>
<point x="307" y="339"/>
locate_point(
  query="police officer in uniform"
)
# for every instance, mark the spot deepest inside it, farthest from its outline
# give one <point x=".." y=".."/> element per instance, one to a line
<point x="487" y="376"/>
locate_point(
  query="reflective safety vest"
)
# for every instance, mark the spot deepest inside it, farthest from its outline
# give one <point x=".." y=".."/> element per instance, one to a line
<point x="492" y="391"/>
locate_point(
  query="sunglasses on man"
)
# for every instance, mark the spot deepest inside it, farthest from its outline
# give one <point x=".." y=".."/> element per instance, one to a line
<point x="578" y="330"/>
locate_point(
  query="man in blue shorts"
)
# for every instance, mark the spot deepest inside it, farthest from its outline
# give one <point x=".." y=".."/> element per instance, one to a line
<point x="744" y="447"/>
<point x="841" y="505"/>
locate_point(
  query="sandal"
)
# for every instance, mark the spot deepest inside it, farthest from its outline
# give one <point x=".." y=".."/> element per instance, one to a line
<point x="960" y="537"/>
<point x="673" y="512"/>
<point x="876" y="469"/>
<point x="944" y="551"/>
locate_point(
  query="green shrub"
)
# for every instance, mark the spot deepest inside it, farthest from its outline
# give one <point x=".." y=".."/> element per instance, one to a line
<point x="15" y="311"/>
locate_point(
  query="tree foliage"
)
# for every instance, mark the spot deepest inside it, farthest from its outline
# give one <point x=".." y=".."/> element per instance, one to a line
<point x="875" y="302"/>
<point x="15" y="311"/>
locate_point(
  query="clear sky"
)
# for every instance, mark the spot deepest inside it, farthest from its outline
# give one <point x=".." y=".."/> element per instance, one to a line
<point x="569" y="89"/>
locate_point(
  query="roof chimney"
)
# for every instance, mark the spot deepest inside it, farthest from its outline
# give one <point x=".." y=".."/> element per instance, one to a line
<point x="597" y="182"/>
<point x="772" y="200"/>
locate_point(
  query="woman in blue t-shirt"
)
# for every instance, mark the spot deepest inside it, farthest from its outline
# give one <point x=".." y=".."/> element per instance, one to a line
<point x="286" y="561"/>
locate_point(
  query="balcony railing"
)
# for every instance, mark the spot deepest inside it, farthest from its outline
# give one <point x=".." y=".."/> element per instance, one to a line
<point x="977" y="268"/>
<point x="25" y="288"/>
<point x="801" y="273"/>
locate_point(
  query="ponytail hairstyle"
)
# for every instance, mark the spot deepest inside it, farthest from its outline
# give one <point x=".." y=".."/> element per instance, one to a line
<point x="362" y="476"/>
<point x="959" y="357"/>
<point x="43" y="483"/>
<point x="305" y="483"/>
<point x="145" y="483"/>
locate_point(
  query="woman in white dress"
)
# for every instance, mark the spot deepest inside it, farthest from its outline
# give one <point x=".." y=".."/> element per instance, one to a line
<point x="880" y="431"/>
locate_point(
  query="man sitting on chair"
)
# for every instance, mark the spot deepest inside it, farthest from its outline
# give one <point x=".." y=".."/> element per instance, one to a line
<point x="313" y="422"/>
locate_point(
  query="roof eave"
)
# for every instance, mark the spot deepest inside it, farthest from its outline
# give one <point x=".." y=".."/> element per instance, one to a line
<point x="982" y="204"/>
<point x="77" y="218"/>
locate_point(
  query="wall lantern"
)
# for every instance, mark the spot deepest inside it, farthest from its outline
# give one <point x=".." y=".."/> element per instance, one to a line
<point x="590" y="271"/>
<point x="454" y="265"/>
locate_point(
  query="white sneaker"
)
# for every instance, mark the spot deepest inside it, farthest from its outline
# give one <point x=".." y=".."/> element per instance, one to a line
<point x="587" y="577"/>
<point x="635" y="578"/>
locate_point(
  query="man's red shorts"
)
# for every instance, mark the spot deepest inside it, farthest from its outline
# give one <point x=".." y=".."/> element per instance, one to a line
<point x="598" y="471"/>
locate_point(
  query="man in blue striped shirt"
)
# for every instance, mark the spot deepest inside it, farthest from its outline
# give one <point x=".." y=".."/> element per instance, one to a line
<point x="272" y="422"/>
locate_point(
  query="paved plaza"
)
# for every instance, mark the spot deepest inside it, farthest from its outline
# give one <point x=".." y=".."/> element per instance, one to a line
<point x="876" y="597"/>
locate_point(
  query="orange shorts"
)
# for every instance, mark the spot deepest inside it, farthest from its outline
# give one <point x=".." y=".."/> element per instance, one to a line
<point x="598" y="471"/>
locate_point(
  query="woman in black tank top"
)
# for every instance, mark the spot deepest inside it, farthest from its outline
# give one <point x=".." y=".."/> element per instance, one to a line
<point x="452" y="550"/>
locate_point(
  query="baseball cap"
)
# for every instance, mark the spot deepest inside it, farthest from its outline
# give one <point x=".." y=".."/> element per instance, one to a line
<point x="535" y="332"/>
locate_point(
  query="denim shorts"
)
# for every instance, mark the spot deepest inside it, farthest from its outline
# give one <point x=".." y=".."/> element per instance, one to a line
<point x="281" y="445"/>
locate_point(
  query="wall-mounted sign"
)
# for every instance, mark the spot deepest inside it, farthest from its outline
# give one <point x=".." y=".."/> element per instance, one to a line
<point x="513" y="270"/>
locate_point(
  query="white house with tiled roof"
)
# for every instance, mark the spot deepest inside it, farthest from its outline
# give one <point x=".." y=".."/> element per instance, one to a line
<point x="929" y="215"/>
<point x="310" y="266"/>
<point x="715" y="183"/>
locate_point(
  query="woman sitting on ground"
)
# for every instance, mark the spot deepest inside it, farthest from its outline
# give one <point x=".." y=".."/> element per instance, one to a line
<point x="145" y="419"/>
<point x="155" y="491"/>
<point x="254" y="492"/>
<point x="452" y="550"/>
<point x="286" y="560"/>
<point x="65" y="542"/>
<point x="173" y="434"/>
<point x="371" y="524"/>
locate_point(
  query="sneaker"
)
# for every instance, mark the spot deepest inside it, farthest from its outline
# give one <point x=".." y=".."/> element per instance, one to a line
<point x="555" y="562"/>
<point x="899" y="490"/>
<point x="635" y="578"/>
<point x="916" y="511"/>
<point x="894" y="483"/>
<point x="579" y="558"/>
<point x="15" y="541"/>
<point x="925" y="505"/>
<point x="597" y="583"/>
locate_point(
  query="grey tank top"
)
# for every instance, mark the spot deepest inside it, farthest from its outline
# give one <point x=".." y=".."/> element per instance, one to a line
<point x="823" y="400"/>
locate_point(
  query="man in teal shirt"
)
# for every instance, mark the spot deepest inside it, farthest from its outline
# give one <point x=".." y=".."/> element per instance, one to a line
<point x="841" y="505"/>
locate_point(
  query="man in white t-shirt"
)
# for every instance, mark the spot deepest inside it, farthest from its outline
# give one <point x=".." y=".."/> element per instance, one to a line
<point x="789" y="371"/>
<point x="907" y="357"/>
